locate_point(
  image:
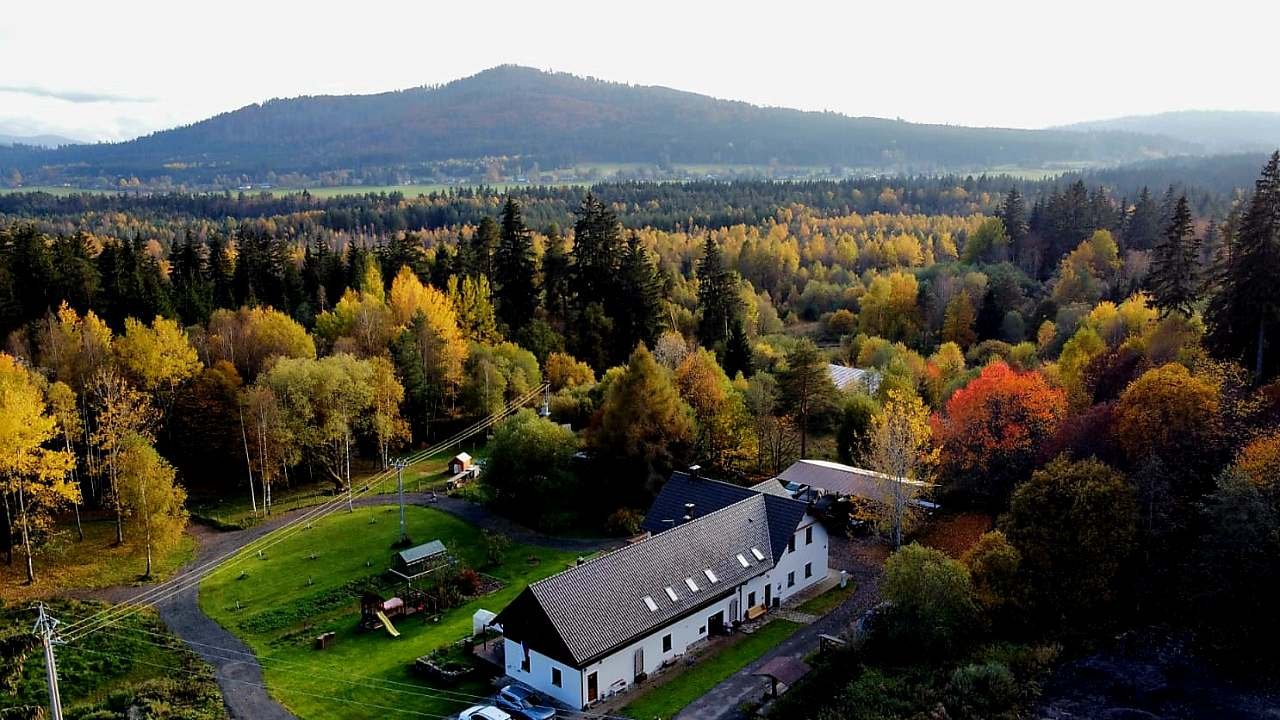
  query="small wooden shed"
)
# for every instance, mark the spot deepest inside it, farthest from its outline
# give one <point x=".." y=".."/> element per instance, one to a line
<point x="460" y="463"/>
<point x="420" y="559"/>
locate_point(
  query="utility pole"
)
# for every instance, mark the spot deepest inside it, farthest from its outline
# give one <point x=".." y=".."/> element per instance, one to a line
<point x="399" y="465"/>
<point x="46" y="628"/>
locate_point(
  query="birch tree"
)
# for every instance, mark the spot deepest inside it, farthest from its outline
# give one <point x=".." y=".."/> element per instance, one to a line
<point x="150" y="492"/>
<point x="902" y="452"/>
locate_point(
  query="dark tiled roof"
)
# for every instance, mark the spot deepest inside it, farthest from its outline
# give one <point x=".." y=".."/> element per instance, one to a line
<point x="590" y="610"/>
<point x="709" y="495"/>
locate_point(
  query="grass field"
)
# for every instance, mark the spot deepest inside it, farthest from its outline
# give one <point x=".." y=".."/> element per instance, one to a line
<point x="283" y="601"/>
<point x="827" y="601"/>
<point x="236" y="512"/>
<point x="666" y="699"/>
<point x="105" y="672"/>
<point x="95" y="562"/>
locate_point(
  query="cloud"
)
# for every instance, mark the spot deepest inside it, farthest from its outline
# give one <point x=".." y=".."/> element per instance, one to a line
<point x="72" y="96"/>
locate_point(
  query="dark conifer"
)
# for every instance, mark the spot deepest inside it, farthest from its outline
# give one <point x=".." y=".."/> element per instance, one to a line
<point x="1174" y="278"/>
<point x="718" y="300"/>
<point x="515" y="269"/>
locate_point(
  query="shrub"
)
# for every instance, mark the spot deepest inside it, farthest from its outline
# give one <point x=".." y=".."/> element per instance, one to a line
<point x="933" y="612"/>
<point x="624" y="521"/>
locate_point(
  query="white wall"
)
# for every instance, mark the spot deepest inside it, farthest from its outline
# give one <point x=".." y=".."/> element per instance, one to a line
<point x="572" y="686"/>
<point x="619" y="667"/>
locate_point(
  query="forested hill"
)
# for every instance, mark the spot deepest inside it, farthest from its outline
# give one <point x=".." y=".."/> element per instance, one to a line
<point x="533" y="119"/>
<point x="1216" y="131"/>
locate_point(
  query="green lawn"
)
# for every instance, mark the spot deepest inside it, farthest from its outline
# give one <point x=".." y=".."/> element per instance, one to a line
<point x="96" y="562"/>
<point x="666" y="699"/>
<point x="286" y="599"/>
<point x="233" y="512"/>
<point x="107" y="671"/>
<point x="827" y="601"/>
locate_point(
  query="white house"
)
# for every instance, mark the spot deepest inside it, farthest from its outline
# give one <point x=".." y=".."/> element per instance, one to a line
<point x="718" y="553"/>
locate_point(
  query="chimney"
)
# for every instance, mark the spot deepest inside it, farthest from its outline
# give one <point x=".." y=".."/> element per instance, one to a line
<point x="688" y="511"/>
<point x="695" y="471"/>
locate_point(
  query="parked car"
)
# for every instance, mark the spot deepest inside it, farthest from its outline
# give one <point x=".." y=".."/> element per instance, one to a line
<point x="524" y="703"/>
<point x="483" y="712"/>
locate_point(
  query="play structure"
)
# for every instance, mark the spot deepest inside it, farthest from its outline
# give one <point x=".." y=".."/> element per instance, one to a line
<point x="375" y="612"/>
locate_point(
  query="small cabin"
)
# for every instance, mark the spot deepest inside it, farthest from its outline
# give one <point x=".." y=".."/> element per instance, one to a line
<point x="419" y="560"/>
<point x="460" y="463"/>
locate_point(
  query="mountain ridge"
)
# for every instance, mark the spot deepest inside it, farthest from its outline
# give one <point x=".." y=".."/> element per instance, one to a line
<point x="534" y="119"/>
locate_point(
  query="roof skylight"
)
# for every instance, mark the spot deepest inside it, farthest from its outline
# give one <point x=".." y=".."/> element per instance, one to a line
<point x="711" y="576"/>
<point x="756" y="551"/>
<point x="743" y="560"/>
<point x="693" y="586"/>
<point x="672" y="594"/>
<point x="653" y="606"/>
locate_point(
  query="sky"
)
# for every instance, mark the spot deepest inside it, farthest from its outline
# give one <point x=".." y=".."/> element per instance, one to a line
<point x="97" y="70"/>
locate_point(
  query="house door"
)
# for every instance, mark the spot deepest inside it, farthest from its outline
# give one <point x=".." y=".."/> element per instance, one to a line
<point x="768" y="595"/>
<point x="593" y="688"/>
<point x="715" y="623"/>
<point x="733" y="610"/>
<point x="639" y="669"/>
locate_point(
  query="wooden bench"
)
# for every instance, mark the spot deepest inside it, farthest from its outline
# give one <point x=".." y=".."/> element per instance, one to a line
<point x="756" y="612"/>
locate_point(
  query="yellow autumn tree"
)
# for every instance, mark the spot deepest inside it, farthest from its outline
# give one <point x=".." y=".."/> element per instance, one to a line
<point x="902" y="452"/>
<point x="30" y="472"/>
<point x="151" y="494"/>
<point x="157" y="359"/>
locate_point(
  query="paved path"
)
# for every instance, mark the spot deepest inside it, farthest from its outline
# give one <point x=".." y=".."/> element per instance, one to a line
<point x="722" y="702"/>
<point x="238" y="672"/>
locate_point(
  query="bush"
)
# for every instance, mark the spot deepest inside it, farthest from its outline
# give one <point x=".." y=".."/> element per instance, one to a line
<point x="624" y="522"/>
<point x="933" y="613"/>
<point x="983" y="692"/>
<point x="495" y="547"/>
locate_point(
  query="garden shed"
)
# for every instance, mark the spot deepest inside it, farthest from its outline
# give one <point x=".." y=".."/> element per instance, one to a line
<point x="460" y="463"/>
<point x="419" y="560"/>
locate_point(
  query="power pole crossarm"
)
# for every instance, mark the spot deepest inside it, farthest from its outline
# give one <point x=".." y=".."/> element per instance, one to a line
<point x="47" y="629"/>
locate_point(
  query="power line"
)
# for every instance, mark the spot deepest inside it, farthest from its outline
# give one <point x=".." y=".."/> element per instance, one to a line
<point x="311" y="670"/>
<point x="193" y="577"/>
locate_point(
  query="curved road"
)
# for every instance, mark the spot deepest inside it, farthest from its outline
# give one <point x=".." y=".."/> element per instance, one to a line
<point x="241" y="678"/>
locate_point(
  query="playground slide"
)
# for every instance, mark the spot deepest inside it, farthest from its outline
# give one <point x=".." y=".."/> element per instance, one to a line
<point x="386" y="623"/>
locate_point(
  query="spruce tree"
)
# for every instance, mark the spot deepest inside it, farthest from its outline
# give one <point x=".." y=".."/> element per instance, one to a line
<point x="192" y="292"/>
<point x="737" y="352"/>
<point x="557" y="283"/>
<point x="1244" y="312"/>
<point x="1013" y="213"/>
<point x="1142" y="230"/>
<point x="717" y="296"/>
<point x="514" y="270"/>
<point x="475" y="257"/>
<point x="221" y="273"/>
<point x="640" y="318"/>
<point x="597" y="254"/>
<point x="1174" y="279"/>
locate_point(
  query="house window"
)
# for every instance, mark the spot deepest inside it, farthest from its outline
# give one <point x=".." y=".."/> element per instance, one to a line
<point x="808" y="570"/>
<point x="556" y="679"/>
<point x="702" y="630"/>
<point x="666" y="643"/>
<point x="791" y="579"/>
<point x="791" y="544"/>
<point x="808" y="535"/>
<point x="751" y="600"/>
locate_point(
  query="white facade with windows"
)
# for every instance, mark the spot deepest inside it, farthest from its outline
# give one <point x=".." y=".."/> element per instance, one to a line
<point x="664" y="605"/>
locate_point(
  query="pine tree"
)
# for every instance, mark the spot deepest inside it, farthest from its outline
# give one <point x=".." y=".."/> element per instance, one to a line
<point x="515" y="268"/>
<point x="717" y="296"/>
<point x="1174" y="280"/>
<point x="1244" y="313"/>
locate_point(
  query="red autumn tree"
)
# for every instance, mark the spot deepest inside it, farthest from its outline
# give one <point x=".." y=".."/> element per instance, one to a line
<point x="992" y="431"/>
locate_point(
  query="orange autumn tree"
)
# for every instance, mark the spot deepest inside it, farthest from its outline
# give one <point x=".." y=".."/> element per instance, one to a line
<point x="991" y="431"/>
